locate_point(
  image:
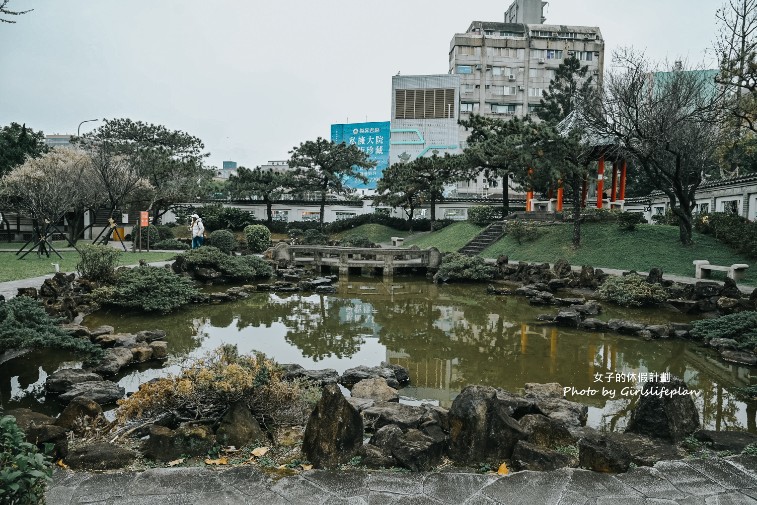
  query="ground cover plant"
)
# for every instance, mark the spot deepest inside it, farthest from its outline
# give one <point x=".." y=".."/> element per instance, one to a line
<point x="151" y="289"/>
<point x="240" y="268"/>
<point x="458" y="267"/>
<point x="632" y="291"/>
<point x="448" y="239"/>
<point x="741" y="327"/>
<point x="24" y="472"/>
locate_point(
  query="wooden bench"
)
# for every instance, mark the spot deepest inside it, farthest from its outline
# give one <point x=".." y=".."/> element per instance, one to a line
<point x="736" y="271"/>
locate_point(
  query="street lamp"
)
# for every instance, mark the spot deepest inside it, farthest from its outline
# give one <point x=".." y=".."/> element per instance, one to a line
<point x="78" y="130"/>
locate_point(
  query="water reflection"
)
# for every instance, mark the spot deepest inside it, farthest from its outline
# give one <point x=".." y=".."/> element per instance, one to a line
<point x="447" y="337"/>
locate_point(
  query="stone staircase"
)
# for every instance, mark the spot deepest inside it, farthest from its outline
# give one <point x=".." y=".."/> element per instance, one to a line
<point x="487" y="237"/>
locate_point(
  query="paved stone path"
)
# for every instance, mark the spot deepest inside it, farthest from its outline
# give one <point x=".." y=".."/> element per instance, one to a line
<point x="731" y="480"/>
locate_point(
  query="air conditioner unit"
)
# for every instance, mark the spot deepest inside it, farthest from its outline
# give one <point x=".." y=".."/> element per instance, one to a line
<point x="542" y="60"/>
<point x="478" y="67"/>
<point x="521" y="88"/>
<point x="511" y="77"/>
<point x="595" y="72"/>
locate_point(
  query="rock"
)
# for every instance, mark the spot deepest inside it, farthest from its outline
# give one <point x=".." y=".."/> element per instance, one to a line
<point x="655" y="276"/>
<point x="658" y="330"/>
<point x="41" y="434"/>
<point x="165" y="444"/>
<point x="150" y="335"/>
<point x="141" y="354"/>
<point x="73" y="416"/>
<point x="117" y="340"/>
<point x="740" y="357"/>
<point x="207" y="274"/>
<point x="64" y="379"/>
<point x="734" y="441"/>
<point x="101" y="330"/>
<point x="569" y="318"/>
<point x="325" y="290"/>
<point x="412" y="449"/>
<point x="685" y="306"/>
<point x="401" y="373"/>
<point x="557" y="284"/>
<point x="352" y="376"/>
<point x="603" y="455"/>
<point x="102" y="392"/>
<point x="548" y="318"/>
<point x="30" y="292"/>
<point x="562" y="269"/>
<point x="238" y="427"/>
<point x="680" y="326"/>
<point x="100" y="456"/>
<point x="706" y="289"/>
<point x="517" y="406"/>
<point x="681" y="334"/>
<point x="76" y="330"/>
<point x="159" y="350"/>
<point x="567" y="302"/>
<point x="723" y="343"/>
<point x="373" y="457"/>
<point x="728" y="305"/>
<point x="623" y="326"/>
<point x="593" y="324"/>
<point x="321" y="377"/>
<point x="586" y="278"/>
<point x="730" y="289"/>
<point x="481" y="430"/>
<point x="708" y="304"/>
<point x="532" y="457"/>
<point x="114" y="360"/>
<point x="547" y="390"/>
<point x="671" y="417"/>
<point x="646" y="451"/>
<point x="381" y="414"/>
<point x="26" y="417"/>
<point x="361" y="403"/>
<point x="334" y="432"/>
<point x="375" y="389"/>
<point x="590" y="308"/>
<point x="571" y="414"/>
<point x="546" y="432"/>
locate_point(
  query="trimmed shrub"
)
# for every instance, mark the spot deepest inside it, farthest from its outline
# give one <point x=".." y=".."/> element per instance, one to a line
<point x="239" y="268"/>
<point x="482" y="215"/>
<point x="223" y="240"/>
<point x="668" y="218"/>
<point x="258" y="237"/>
<point x="735" y="231"/>
<point x="98" y="263"/>
<point x="594" y="215"/>
<point x="742" y="327"/>
<point x="522" y="231"/>
<point x="314" y="237"/>
<point x="632" y="290"/>
<point x="217" y="217"/>
<point x="170" y="245"/>
<point x="459" y="267"/>
<point x="380" y="218"/>
<point x="165" y="232"/>
<point x="357" y="240"/>
<point x="259" y="268"/>
<point x="627" y="221"/>
<point x="151" y="289"/>
<point x="24" y="324"/>
<point x="150" y="231"/>
<point x="24" y="472"/>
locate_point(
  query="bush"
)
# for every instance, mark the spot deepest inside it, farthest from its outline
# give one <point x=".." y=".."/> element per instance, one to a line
<point x="742" y="327"/>
<point x="668" y="218"/>
<point x="258" y="237"/>
<point x="221" y="379"/>
<point x="380" y="218"/>
<point x="357" y="240"/>
<point x="165" y="232"/>
<point x="24" y="472"/>
<point x="632" y="290"/>
<point x="97" y="263"/>
<point x="594" y="215"/>
<point x="170" y="245"/>
<point x="24" y="324"/>
<point x="735" y="231"/>
<point x="522" y="231"/>
<point x="459" y="267"/>
<point x="627" y="221"/>
<point x="150" y="231"/>
<point x="482" y="215"/>
<point x="217" y="217"/>
<point x="151" y="289"/>
<point x="314" y="237"/>
<point x="223" y="240"/>
<point x="237" y="268"/>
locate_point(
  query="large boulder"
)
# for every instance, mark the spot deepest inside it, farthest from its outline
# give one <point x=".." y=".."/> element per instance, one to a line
<point x="293" y="371"/>
<point x="665" y="410"/>
<point x="600" y="454"/>
<point x="159" y="349"/>
<point x="412" y="449"/>
<point x="533" y="457"/>
<point x="734" y="441"/>
<point x="481" y="430"/>
<point x="383" y="413"/>
<point x="334" y="432"/>
<point x="78" y="413"/>
<point x="238" y="427"/>
<point x="113" y="360"/>
<point x="26" y="417"/>
<point x="165" y="444"/>
<point x="42" y="434"/>
<point x="100" y="456"/>
<point x="102" y="392"/>
<point x="62" y="380"/>
<point x="646" y="451"/>
<point x="395" y="375"/>
<point x="570" y="414"/>
<point x="546" y="432"/>
<point x="562" y="269"/>
<point x="150" y="335"/>
<point x="375" y="389"/>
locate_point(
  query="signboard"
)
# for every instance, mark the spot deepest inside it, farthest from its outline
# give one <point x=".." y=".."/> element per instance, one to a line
<point x="144" y="218"/>
<point x="372" y="139"/>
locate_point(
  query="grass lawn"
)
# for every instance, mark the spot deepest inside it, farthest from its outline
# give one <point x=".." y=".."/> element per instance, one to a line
<point x="11" y="268"/>
<point x="377" y="233"/>
<point x="604" y="245"/>
<point x="449" y="238"/>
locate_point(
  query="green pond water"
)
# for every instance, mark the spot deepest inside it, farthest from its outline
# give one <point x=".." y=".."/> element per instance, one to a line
<point x="446" y="336"/>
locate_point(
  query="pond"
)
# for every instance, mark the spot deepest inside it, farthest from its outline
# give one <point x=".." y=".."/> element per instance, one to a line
<point x="446" y="336"/>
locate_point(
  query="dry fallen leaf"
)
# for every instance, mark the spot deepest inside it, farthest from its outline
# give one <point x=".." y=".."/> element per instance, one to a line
<point x="307" y="467"/>
<point x="282" y="467"/>
<point x="260" y="451"/>
<point x="503" y="470"/>
<point x="61" y="464"/>
<point x="176" y="462"/>
<point x="220" y="461"/>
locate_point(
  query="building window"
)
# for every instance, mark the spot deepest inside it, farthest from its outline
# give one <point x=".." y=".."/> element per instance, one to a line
<point x="498" y="70"/>
<point x="345" y="215"/>
<point x="554" y="54"/>
<point x="535" y="92"/>
<point x="503" y="108"/>
<point x="537" y="53"/>
<point x="533" y="73"/>
<point x="469" y="107"/>
<point x="456" y="214"/>
<point x="549" y="73"/>
<point x="464" y="69"/>
<point x="424" y="103"/>
<point x="703" y="208"/>
<point x="467" y="50"/>
<point x="280" y="215"/>
<point x="730" y="206"/>
<point x="310" y="215"/>
<point x="585" y="55"/>
<point x="489" y="32"/>
<point x="467" y="88"/>
<point x="504" y="90"/>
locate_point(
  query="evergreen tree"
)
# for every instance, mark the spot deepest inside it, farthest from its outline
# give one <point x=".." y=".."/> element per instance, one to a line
<point x="567" y="89"/>
<point x="17" y="143"/>
<point x="267" y="185"/>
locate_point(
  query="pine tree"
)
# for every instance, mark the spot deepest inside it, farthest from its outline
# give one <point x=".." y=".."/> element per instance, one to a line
<point x="565" y="91"/>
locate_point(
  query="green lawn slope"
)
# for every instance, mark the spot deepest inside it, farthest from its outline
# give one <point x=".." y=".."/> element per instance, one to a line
<point x="605" y="245"/>
<point x="376" y="233"/>
<point x="449" y="238"/>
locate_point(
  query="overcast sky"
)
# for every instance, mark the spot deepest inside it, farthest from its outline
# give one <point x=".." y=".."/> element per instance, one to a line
<point x="253" y="79"/>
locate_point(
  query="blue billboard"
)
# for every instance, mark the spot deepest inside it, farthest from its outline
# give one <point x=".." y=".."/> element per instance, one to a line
<point x="372" y="139"/>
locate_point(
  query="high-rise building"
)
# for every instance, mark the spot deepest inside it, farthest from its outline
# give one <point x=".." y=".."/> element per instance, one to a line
<point x="58" y="140"/>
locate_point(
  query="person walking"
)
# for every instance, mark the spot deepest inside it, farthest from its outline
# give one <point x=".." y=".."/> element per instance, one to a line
<point x="198" y="231"/>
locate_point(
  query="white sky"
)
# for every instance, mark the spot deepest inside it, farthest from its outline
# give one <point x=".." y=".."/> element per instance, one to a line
<point x="254" y="79"/>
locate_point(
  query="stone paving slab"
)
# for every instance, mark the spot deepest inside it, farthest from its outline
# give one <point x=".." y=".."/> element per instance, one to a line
<point x="723" y="481"/>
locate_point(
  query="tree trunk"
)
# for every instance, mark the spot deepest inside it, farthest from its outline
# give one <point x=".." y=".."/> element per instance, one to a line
<point x="410" y="218"/>
<point x="268" y="209"/>
<point x="323" y="207"/>
<point x="505" y="195"/>
<point x="577" y="196"/>
<point x="684" y="222"/>
<point x="433" y="211"/>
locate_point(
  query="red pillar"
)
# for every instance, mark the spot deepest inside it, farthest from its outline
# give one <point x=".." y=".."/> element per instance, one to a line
<point x="529" y="197"/>
<point x="623" y="181"/>
<point x="600" y="181"/>
<point x="559" y="196"/>
<point x="614" y="192"/>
